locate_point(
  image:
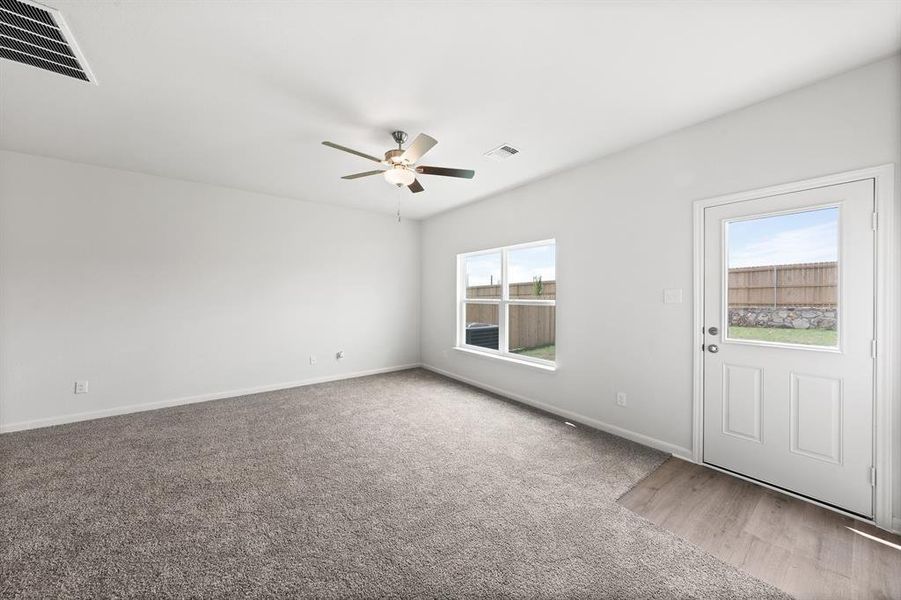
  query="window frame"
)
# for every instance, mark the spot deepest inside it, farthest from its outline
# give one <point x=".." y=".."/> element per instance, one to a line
<point x="503" y="303"/>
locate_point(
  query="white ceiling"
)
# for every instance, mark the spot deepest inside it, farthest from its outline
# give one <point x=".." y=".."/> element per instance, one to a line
<point x="242" y="93"/>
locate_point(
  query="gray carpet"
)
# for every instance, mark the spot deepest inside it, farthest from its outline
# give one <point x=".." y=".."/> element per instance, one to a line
<point x="398" y="485"/>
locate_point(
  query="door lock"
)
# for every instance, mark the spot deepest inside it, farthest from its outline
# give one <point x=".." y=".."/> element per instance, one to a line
<point x="713" y="348"/>
<point x="713" y="331"/>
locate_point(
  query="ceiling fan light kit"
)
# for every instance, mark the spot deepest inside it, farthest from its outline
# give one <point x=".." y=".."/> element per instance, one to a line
<point x="401" y="169"/>
<point x="399" y="175"/>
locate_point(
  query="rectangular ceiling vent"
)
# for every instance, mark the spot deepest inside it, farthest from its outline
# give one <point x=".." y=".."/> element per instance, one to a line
<point x="502" y="152"/>
<point x="38" y="36"/>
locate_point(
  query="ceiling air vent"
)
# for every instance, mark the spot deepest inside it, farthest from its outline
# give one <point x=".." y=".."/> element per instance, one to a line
<point x="38" y="36"/>
<point x="499" y="153"/>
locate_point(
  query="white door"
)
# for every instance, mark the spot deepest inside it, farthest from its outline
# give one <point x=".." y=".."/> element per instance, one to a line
<point x="789" y="329"/>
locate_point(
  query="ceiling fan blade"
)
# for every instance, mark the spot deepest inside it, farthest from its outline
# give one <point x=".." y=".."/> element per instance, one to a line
<point x="364" y="174"/>
<point x="415" y="187"/>
<point x="346" y="149"/>
<point x="464" y="173"/>
<point x="422" y="144"/>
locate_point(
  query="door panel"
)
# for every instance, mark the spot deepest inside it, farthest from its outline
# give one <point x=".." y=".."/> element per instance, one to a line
<point x="816" y="417"/>
<point x="788" y="395"/>
<point x="742" y="402"/>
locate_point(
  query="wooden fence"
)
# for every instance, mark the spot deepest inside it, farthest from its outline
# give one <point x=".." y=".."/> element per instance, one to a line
<point x="517" y="290"/>
<point x="803" y="284"/>
<point x="796" y="285"/>
<point x="529" y="326"/>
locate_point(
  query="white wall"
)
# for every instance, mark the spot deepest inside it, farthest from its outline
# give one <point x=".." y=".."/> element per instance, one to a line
<point x="623" y="226"/>
<point x="159" y="290"/>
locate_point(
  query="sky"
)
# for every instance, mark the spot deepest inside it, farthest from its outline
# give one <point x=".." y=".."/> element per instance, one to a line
<point x="805" y="237"/>
<point x="523" y="264"/>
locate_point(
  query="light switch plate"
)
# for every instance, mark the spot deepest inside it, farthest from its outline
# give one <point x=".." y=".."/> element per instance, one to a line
<point x="81" y="387"/>
<point x="672" y="296"/>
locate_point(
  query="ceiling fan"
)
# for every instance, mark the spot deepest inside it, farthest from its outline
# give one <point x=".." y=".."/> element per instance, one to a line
<point x="400" y="163"/>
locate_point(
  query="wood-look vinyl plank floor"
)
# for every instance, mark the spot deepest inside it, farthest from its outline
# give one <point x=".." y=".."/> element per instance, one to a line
<point x="805" y="550"/>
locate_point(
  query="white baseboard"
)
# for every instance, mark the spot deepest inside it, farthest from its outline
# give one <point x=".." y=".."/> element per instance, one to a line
<point x="133" y="408"/>
<point x="687" y="457"/>
<point x="646" y="440"/>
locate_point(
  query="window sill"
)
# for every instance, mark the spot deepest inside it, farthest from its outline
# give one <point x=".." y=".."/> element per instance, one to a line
<point x="508" y="359"/>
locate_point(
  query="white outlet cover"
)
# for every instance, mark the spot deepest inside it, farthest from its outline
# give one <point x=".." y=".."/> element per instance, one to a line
<point x="672" y="296"/>
<point x="621" y="398"/>
<point x="312" y="360"/>
<point x="81" y="387"/>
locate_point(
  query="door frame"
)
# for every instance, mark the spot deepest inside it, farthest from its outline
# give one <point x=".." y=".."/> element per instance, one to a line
<point x="885" y="248"/>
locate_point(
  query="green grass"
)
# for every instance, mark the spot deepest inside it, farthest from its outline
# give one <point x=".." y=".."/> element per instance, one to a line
<point x="810" y="337"/>
<point x="547" y="352"/>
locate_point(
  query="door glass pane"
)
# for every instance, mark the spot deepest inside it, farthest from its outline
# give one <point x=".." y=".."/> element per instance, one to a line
<point x="483" y="276"/>
<point x="481" y="325"/>
<point x="532" y="272"/>
<point x="783" y="278"/>
<point x="532" y="330"/>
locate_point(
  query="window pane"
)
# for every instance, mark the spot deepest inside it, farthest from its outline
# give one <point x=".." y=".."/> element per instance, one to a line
<point x="481" y="325"/>
<point x="783" y="278"/>
<point x="533" y="331"/>
<point x="483" y="276"/>
<point x="532" y="272"/>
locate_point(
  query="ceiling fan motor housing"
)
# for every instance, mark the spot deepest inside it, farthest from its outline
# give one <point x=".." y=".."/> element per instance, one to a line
<point x="393" y="156"/>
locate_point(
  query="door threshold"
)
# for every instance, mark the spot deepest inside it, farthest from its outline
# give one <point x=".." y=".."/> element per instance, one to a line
<point x="859" y="517"/>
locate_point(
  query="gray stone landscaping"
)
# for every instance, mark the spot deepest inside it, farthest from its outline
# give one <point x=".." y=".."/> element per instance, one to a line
<point x="784" y="317"/>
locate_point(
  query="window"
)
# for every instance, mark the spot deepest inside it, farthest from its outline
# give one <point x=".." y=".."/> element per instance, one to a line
<point x="508" y="302"/>
<point x="782" y="273"/>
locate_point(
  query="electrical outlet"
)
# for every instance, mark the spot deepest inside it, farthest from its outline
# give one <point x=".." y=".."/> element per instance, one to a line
<point x="81" y="387"/>
<point x="312" y="360"/>
<point x="620" y="398"/>
<point x="339" y="355"/>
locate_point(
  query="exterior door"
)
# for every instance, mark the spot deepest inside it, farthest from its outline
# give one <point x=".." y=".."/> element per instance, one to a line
<point x="789" y="329"/>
